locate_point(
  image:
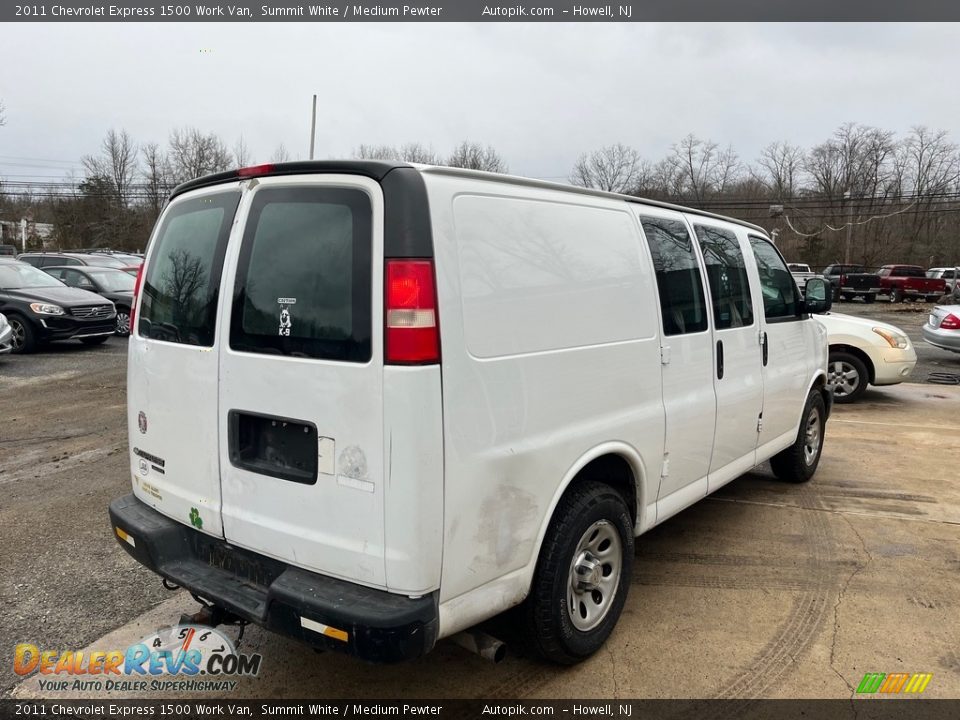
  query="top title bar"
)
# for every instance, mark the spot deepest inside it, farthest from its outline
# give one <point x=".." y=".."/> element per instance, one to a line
<point x="476" y="11"/>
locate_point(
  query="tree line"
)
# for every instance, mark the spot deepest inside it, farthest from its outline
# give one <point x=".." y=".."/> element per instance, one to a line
<point x="862" y="193"/>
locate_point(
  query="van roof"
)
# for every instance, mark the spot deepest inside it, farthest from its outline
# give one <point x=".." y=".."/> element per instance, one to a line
<point x="378" y="169"/>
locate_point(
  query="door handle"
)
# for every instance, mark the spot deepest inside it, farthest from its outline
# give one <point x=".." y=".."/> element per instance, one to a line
<point x="719" y="359"/>
<point x="766" y="343"/>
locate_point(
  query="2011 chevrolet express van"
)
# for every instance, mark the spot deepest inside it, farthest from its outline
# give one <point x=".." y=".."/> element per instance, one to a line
<point x="373" y="404"/>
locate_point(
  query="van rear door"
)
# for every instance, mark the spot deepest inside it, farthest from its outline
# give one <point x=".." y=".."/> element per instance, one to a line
<point x="301" y="376"/>
<point x="172" y="367"/>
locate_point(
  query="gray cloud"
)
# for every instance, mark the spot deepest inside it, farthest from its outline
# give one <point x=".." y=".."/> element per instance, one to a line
<point x="540" y="93"/>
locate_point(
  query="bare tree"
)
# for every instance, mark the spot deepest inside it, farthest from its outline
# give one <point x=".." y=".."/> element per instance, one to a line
<point x="781" y="164"/>
<point x="475" y="156"/>
<point x="241" y="153"/>
<point x="280" y="154"/>
<point x="377" y="152"/>
<point x="702" y="169"/>
<point x="156" y="181"/>
<point x="615" y="168"/>
<point x="415" y="152"/>
<point x="117" y="163"/>
<point x="192" y="154"/>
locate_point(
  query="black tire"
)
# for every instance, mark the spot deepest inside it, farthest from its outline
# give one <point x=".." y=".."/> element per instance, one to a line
<point x="795" y="464"/>
<point x="123" y="322"/>
<point x="869" y="298"/>
<point x="896" y="295"/>
<point x="848" y="375"/>
<point x="846" y="297"/>
<point x="24" y="338"/>
<point x="588" y="510"/>
<point x="98" y="340"/>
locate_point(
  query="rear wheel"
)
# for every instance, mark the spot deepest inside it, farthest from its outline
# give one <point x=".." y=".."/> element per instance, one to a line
<point x="99" y="340"/>
<point x="846" y="297"/>
<point x="848" y="376"/>
<point x="582" y="576"/>
<point x="799" y="462"/>
<point x="896" y="295"/>
<point x="869" y="298"/>
<point x="24" y="339"/>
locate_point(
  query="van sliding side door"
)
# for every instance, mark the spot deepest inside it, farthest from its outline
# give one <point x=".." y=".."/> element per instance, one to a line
<point x="737" y="377"/>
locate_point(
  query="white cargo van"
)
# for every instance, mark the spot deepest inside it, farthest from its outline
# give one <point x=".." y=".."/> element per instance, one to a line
<point x="373" y="404"/>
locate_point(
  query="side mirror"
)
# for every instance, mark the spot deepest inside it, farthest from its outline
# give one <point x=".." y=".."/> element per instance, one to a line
<point x="817" y="296"/>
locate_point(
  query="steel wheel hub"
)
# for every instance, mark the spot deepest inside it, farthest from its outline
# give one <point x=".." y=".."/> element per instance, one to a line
<point x="811" y="438"/>
<point x="594" y="575"/>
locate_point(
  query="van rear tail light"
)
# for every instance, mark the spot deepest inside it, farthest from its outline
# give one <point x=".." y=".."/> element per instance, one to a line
<point x="950" y="322"/>
<point x="136" y="296"/>
<point x="412" y="335"/>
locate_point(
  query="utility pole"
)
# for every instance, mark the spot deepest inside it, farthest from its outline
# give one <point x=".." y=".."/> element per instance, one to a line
<point x="313" y="125"/>
<point x="848" y="196"/>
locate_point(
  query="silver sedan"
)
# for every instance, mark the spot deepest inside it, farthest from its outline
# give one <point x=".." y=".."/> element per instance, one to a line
<point x="943" y="327"/>
<point x="6" y="335"/>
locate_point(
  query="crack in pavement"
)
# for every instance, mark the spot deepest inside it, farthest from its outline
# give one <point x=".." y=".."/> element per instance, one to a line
<point x="836" y="610"/>
<point x="613" y="669"/>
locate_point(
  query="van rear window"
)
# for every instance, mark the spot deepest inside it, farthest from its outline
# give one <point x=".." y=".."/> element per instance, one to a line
<point x="304" y="275"/>
<point x="182" y="281"/>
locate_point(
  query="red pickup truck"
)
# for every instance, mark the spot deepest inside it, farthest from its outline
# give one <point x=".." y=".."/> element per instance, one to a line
<point x="902" y="281"/>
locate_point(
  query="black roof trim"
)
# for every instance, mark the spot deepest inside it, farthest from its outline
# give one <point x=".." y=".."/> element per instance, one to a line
<point x="375" y="169"/>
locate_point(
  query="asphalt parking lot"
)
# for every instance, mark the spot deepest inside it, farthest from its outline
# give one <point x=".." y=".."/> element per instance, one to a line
<point x="762" y="590"/>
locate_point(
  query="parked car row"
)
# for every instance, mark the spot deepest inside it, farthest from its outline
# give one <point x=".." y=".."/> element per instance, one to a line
<point x="895" y="282"/>
<point x="40" y="308"/>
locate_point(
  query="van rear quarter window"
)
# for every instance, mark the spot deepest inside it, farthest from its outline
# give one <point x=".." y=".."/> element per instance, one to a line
<point x="304" y="276"/>
<point x="182" y="282"/>
<point x="539" y="275"/>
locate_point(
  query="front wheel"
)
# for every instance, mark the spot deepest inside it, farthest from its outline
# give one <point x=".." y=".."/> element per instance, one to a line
<point x="582" y="576"/>
<point x="848" y="376"/>
<point x="896" y="295"/>
<point x="799" y="462"/>
<point x="24" y="339"/>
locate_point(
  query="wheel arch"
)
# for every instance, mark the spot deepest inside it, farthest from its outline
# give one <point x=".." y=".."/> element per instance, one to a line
<point x="614" y="463"/>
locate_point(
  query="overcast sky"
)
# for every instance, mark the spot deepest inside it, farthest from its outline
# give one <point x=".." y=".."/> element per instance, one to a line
<point x="539" y="93"/>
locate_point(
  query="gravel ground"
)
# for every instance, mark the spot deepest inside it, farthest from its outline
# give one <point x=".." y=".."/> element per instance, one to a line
<point x="63" y="457"/>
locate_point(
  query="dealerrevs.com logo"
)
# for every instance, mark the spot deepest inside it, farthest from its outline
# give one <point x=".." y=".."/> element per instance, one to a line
<point x="183" y="658"/>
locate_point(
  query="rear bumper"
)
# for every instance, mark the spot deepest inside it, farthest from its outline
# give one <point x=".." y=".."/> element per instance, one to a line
<point x="323" y="612"/>
<point x="943" y="339"/>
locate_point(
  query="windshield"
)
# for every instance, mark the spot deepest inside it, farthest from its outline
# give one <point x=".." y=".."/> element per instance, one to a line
<point x="113" y="280"/>
<point x="14" y="276"/>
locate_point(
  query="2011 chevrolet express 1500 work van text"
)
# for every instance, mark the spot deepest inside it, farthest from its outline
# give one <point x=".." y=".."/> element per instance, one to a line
<point x="373" y="404"/>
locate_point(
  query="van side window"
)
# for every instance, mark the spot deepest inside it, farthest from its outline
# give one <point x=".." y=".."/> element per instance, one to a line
<point x="678" y="276"/>
<point x="729" y="286"/>
<point x="777" y="287"/>
<point x="182" y="282"/>
<point x="304" y="275"/>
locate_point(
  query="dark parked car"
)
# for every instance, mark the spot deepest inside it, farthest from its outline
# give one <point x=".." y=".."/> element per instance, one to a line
<point x="115" y="285"/>
<point x="40" y="308"/>
<point x="8" y="250"/>
<point x="852" y="281"/>
<point x="41" y="260"/>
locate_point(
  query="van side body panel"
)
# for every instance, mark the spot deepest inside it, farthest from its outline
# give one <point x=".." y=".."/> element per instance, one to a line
<point x="523" y="401"/>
